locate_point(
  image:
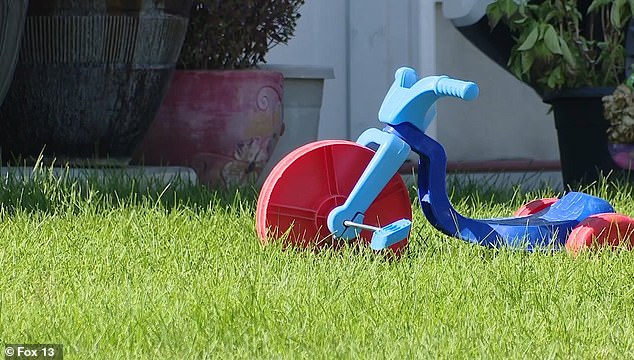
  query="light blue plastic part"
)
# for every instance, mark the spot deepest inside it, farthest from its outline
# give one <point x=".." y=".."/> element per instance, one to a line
<point x="389" y="157"/>
<point x="409" y="97"/>
<point x="390" y="234"/>
<point x="408" y="109"/>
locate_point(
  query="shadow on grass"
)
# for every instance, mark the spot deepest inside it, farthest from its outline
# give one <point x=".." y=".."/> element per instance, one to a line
<point x="51" y="189"/>
<point x="495" y="189"/>
<point x="45" y="190"/>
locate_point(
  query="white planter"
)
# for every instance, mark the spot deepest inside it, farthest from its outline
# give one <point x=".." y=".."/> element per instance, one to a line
<point x="303" y="91"/>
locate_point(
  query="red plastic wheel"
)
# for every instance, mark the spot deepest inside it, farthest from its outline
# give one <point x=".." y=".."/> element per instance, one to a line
<point x="535" y="206"/>
<point x="602" y="229"/>
<point x="308" y="183"/>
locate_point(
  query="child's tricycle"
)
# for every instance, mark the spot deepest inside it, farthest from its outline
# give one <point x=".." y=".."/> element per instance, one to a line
<point x="335" y="190"/>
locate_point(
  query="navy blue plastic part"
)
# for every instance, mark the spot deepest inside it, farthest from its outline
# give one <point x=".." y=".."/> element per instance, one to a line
<point x="407" y="110"/>
<point x="548" y="228"/>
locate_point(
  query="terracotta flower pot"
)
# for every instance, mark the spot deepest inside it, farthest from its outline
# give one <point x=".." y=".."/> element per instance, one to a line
<point x="224" y="124"/>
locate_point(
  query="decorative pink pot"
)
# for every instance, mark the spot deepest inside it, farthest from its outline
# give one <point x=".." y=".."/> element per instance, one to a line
<point x="223" y="124"/>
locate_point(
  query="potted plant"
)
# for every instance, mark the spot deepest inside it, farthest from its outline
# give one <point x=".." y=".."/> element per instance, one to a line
<point x="222" y="115"/>
<point x="572" y="53"/>
<point x="12" y="15"/>
<point x="90" y="76"/>
<point x="619" y="111"/>
<point x="302" y="100"/>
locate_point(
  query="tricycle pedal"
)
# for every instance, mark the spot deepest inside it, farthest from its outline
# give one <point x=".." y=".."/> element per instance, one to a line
<point x="391" y="234"/>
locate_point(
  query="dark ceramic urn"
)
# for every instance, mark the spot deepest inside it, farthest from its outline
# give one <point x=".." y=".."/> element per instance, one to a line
<point x="12" y="15"/>
<point x="90" y="77"/>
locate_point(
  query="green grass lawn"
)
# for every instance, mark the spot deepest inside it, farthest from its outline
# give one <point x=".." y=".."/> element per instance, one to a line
<point x="112" y="270"/>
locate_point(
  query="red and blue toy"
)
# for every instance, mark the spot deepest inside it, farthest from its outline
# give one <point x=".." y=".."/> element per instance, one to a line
<point x="334" y="190"/>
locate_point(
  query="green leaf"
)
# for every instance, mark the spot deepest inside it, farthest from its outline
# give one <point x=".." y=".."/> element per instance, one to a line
<point x="530" y="41"/>
<point x="509" y="7"/>
<point x="596" y="4"/>
<point x="514" y="65"/>
<point x="555" y="78"/>
<point x="620" y="12"/>
<point x="495" y="15"/>
<point x="528" y="58"/>
<point x="566" y="53"/>
<point x="616" y="11"/>
<point x="551" y="39"/>
<point x="522" y="10"/>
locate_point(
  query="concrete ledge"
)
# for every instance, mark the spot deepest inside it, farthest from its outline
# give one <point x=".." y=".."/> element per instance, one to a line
<point x="301" y="71"/>
<point x="527" y="174"/>
<point x="491" y="166"/>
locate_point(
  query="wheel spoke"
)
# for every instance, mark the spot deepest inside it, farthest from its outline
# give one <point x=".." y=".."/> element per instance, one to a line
<point x="300" y="205"/>
<point x="331" y="175"/>
<point x="292" y="212"/>
<point x="392" y="187"/>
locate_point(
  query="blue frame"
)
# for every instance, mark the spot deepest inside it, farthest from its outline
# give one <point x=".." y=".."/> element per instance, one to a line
<point x="390" y="155"/>
<point x="547" y="228"/>
<point x="408" y="109"/>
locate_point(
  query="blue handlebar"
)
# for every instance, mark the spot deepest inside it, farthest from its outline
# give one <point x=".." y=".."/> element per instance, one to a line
<point x="465" y="90"/>
<point x="412" y="100"/>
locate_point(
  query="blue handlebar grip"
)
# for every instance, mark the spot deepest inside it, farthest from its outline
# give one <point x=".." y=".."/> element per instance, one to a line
<point x="466" y="90"/>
